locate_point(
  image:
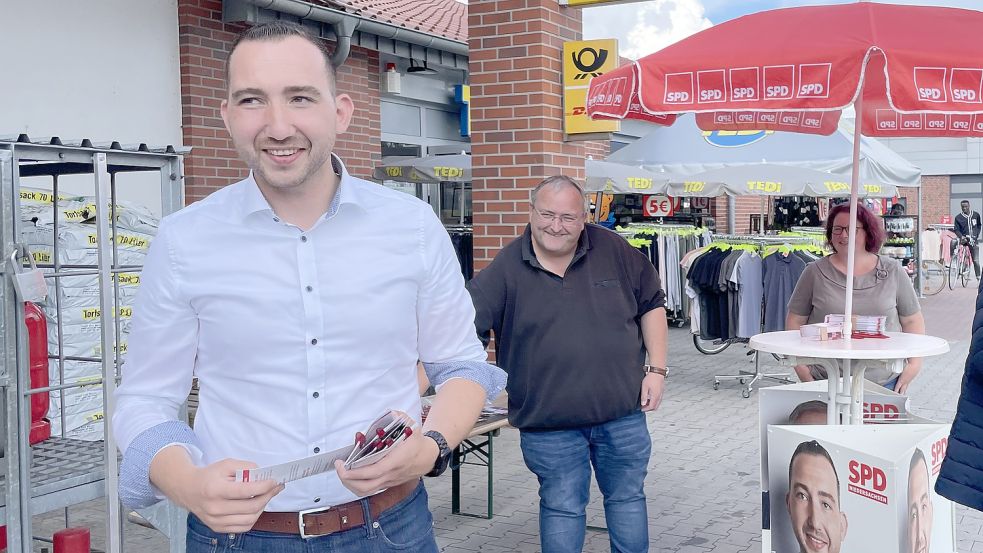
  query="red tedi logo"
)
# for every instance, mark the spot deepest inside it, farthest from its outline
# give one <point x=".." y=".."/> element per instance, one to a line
<point x="930" y="83"/>
<point x="814" y="80"/>
<point x="779" y="80"/>
<point x="679" y="88"/>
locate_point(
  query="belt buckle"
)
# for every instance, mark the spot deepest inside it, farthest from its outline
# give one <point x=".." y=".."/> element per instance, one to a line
<point x="300" y="521"/>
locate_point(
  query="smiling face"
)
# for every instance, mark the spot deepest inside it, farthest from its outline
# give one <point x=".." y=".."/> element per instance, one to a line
<point x="282" y="113"/>
<point x="556" y="220"/>
<point x="920" y="512"/>
<point x="840" y="238"/>
<point x="813" y="505"/>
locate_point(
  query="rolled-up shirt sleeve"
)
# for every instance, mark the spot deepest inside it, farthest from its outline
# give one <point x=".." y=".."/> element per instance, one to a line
<point x="448" y="344"/>
<point x="157" y="373"/>
<point x="648" y="286"/>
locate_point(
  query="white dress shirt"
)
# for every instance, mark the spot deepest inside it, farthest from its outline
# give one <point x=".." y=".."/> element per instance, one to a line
<point x="298" y="339"/>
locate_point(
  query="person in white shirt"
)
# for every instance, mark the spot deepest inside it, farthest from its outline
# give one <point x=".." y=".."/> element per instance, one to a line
<point x="301" y="298"/>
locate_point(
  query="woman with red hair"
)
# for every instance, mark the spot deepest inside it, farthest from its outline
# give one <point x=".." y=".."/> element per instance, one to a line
<point x="881" y="287"/>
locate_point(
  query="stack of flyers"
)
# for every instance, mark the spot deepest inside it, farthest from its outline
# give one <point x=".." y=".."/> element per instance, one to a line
<point x="864" y="326"/>
<point x="370" y="446"/>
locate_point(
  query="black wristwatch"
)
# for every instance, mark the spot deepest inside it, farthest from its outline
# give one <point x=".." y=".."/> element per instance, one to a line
<point x="443" y="454"/>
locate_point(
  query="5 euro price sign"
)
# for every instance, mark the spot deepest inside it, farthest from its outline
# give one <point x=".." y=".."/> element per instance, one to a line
<point x="659" y="206"/>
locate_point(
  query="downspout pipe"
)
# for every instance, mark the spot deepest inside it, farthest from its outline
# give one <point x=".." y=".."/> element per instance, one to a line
<point x="345" y="26"/>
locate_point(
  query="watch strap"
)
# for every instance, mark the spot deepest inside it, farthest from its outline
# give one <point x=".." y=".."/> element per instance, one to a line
<point x="443" y="453"/>
<point x="648" y="369"/>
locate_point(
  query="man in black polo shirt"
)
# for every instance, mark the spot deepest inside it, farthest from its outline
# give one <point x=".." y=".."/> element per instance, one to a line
<point x="574" y="310"/>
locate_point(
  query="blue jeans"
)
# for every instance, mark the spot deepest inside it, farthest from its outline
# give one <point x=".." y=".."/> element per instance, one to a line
<point x="619" y="450"/>
<point x="407" y="526"/>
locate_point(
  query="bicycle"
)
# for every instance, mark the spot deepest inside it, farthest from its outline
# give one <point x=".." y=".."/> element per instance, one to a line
<point x="959" y="266"/>
<point x="934" y="277"/>
<point x="710" y="347"/>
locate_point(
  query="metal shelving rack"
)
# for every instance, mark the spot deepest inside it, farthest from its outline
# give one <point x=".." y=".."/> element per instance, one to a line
<point x="61" y="472"/>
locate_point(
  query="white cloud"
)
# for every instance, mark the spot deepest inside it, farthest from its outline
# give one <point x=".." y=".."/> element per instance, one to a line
<point x="643" y="28"/>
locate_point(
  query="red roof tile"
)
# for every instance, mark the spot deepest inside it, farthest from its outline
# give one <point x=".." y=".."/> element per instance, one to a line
<point x="443" y="18"/>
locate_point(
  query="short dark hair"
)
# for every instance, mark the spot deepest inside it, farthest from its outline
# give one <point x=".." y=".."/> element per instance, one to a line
<point x="917" y="457"/>
<point x="813" y="406"/>
<point x="873" y="230"/>
<point x="280" y="30"/>
<point x="964" y="202"/>
<point x="813" y="447"/>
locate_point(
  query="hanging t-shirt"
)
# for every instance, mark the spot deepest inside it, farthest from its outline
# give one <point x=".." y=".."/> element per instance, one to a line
<point x="781" y="272"/>
<point x="748" y="279"/>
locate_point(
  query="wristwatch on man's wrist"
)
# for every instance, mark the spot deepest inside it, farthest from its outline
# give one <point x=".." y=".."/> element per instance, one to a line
<point x="648" y="369"/>
<point x="443" y="453"/>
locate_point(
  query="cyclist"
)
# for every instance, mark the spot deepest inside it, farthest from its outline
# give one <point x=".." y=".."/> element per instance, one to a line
<point x="967" y="228"/>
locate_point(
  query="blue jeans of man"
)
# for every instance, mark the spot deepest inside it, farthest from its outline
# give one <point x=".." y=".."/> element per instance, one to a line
<point x="407" y="526"/>
<point x="619" y="451"/>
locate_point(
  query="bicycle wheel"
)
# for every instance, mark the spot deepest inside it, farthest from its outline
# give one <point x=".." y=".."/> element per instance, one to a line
<point x="709" y="347"/>
<point x="933" y="277"/>
<point x="964" y="272"/>
<point x="954" y="268"/>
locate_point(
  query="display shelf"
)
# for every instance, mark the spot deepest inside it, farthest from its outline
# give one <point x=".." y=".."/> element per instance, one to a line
<point x="60" y="472"/>
<point x="64" y="471"/>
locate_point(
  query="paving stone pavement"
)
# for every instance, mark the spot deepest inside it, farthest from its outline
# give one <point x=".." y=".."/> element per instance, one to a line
<point x="702" y="488"/>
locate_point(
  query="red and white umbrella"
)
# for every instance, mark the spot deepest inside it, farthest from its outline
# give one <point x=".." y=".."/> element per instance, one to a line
<point x="908" y="71"/>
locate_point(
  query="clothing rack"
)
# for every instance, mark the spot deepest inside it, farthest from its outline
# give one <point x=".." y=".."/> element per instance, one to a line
<point x="664" y="244"/>
<point x="761" y="243"/>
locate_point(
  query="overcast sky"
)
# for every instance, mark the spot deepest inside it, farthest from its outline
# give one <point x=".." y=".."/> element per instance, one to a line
<point x="645" y="27"/>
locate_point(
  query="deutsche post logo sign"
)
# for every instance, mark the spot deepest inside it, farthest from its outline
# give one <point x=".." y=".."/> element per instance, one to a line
<point x="583" y="60"/>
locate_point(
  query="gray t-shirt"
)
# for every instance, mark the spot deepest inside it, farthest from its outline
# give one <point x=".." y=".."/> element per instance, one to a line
<point x="886" y="291"/>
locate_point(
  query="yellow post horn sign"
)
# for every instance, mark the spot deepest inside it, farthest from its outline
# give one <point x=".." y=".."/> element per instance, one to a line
<point x="583" y="60"/>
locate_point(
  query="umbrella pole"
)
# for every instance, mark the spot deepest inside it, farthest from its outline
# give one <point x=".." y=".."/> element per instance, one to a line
<point x="854" y="192"/>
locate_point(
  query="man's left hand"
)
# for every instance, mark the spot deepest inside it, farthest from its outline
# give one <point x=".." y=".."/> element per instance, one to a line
<point x="407" y="461"/>
<point x="652" y="387"/>
<point x="909" y="373"/>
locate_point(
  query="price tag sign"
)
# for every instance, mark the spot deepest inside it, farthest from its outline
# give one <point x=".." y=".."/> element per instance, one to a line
<point x="658" y="206"/>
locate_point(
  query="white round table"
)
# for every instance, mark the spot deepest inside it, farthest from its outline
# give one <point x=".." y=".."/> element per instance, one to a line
<point x="846" y="393"/>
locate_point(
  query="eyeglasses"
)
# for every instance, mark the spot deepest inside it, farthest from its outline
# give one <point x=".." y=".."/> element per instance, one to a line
<point x="840" y="230"/>
<point x="565" y="219"/>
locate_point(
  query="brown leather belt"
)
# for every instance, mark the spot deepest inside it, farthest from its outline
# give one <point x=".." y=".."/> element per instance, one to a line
<point x="321" y="522"/>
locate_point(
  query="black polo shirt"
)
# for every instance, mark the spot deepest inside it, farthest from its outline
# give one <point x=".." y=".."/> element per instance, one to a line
<point x="572" y="345"/>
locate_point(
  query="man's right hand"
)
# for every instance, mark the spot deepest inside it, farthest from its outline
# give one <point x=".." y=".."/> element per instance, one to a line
<point x="211" y="492"/>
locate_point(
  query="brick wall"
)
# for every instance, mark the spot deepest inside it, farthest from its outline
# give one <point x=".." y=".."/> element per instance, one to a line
<point x="204" y="42"/>
<point x="517" y="118"/>
<point x="935" y="199"/>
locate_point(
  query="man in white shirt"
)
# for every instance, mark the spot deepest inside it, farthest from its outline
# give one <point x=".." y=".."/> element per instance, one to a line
<point x="301" y="298"/>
